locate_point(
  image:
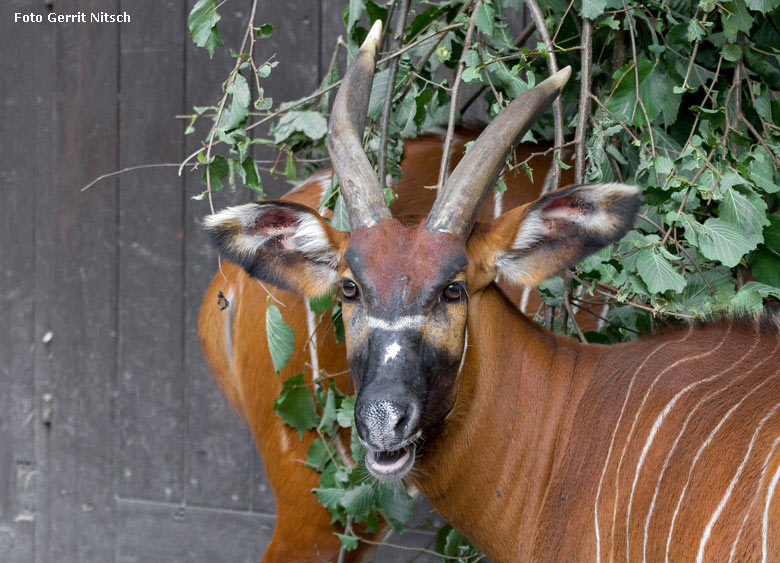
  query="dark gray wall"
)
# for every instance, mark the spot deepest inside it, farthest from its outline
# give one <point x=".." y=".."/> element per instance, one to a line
<point x="115" y="443"/>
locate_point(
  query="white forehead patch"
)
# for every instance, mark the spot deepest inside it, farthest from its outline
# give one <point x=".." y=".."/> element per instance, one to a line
<point x="399" y="323"/>
<point x="392" y="351"/>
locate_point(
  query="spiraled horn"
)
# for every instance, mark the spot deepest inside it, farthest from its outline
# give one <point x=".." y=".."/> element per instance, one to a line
<point x="459" y="201"/>
<point x="359" y="185"/>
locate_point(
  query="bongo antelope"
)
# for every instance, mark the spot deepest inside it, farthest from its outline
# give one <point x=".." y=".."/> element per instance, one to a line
<point x="535" y="446"/>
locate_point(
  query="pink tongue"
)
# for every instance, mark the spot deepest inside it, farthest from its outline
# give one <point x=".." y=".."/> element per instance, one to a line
<point x="390" y="467"/>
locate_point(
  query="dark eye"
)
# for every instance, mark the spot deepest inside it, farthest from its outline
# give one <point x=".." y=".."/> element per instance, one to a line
<point x="349" y="289"/>
<point x="452" y="292"/>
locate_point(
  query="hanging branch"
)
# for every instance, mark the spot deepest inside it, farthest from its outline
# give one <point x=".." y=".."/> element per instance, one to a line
<point x="445" y="157"/>
<point x="583" y="108"/>
<point x="385" y="120"/>
<point x="552" y="66"/>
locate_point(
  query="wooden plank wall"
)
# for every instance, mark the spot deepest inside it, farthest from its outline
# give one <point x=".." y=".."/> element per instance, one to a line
<point x="115" y="443"/>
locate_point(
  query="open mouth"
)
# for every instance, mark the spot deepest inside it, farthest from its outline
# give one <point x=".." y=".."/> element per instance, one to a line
<point x="390" y="465"/>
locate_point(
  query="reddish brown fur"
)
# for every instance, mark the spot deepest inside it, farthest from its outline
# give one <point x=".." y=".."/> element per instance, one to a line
<point x="303" y="531"/>
<point x="529" y="435"/>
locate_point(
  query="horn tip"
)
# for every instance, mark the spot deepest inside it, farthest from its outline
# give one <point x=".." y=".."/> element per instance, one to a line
<point x="561" y="77"/>
<point x="372" y="39"/>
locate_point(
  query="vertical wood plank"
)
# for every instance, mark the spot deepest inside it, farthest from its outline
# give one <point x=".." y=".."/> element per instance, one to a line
<point x="151" y="206"/>
<point x="75" y="292"/>
<point x="219" y="450"/>
<point x="25" y="92"/>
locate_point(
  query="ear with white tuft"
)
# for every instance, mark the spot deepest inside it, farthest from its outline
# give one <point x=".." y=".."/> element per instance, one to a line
<point x="282" y="243"/>
<point x="529" y="244"/>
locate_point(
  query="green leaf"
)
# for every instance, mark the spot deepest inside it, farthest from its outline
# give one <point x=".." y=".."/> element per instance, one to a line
<point x="264" y="31"/>
<point x="356" y="8"/>
<point x="250" y="176"/>
<point x="765" y="266"/>
<point x="346" y="412"/>
<point x="719" y="240"/>
<point x="655" y="89"/>
<point x="295" y="405"/>
<point x="348" y="542"/>
<point x="395" y="504"/>
<point x="340" y="218"/>
<point x="238" y="110"/>
<point x="731" y="52"/>
<point x="772" y="233"/>
<point x="747" y="301"/>
<point x="746" y="211"/>
<point x="289" y="167"/>
<point x="311" y="123"/>
<point x="656" y="271"/>
<point x="217" y="171"/>
<point x="761" y="171"/>
<point x="483" y="18"/>
<point x="319" y="305"/>
<point x="592" y="8"/>
<point x="317" y="455"/>
<point x="328" y="412"/>
<point x="357" y="501"/>
<point x="762" y="6"/>
<point x="329" y="497"/>
<point x="736" y="18"/>
<point x="281" y="337"/>
<point x="202" y="25"/>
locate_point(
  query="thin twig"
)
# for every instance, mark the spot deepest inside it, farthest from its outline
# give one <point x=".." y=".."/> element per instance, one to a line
<point x="583" y="108"/>
<point x="638" y="100"/>
<point x="128" y="169"/>
<point x="552" y="65"/>
<point x="385" y="119"/>
<point x="760" y="140"/>
<point x="445" y="157"/>
<point x="406" y="548"/>
<point x="567" y="305"/>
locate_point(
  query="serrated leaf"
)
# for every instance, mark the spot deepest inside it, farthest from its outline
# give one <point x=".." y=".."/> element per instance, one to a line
<point x="217" y="171"/>
<point x="747" y="301"/>
<point x="311" y="123"/>
<point x="592" y="8"/>
<point x="731" y="52"/>
<point x="295" y="405"/>
<point x="761" y="171"/>
<point x="281" y="338"/>
<point x="319" y="305"/>
<point x="762" y="6"/>
<point x="345" y="415"/>
<point x="317" y="455"/>
<point x="347" y="542"/>
<point x="656" y="271"/>
<point x="719" y="240"/>
<point x="202" y="24"/>
<point x="238" y="110"/>
<point x="746" y="212"/>
<point x="357" y="501"/>
<point x="483" y="18"/>
<point x="329" y="497"/>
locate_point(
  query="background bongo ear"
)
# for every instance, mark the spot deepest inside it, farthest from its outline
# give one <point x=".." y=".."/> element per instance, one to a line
<point x="282" y="243"/>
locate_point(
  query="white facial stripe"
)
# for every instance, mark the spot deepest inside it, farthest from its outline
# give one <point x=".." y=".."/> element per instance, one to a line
<point x="399" y="323"/>
<point x="392" y="351"/>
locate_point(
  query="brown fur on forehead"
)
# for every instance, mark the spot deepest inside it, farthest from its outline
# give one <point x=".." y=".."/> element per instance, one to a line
<point x="399" y="262"/>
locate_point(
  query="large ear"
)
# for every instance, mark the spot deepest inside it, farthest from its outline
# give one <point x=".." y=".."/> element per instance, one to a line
<point x="279" y="242"/>
<point x="530" y="243"/>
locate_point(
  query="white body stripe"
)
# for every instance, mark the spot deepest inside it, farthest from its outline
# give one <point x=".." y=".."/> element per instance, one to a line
<point x="687" y="420"/>
<point x="765" y="520"/>
<point x="714" y="518"/>
<point x="399" y="323"/>
<point x="612" y="443"/>
<point x="755" y="496"/>
<point x="498" y="204"/>
<point x="698" y="455"/>
<point x="652" y="432"/>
